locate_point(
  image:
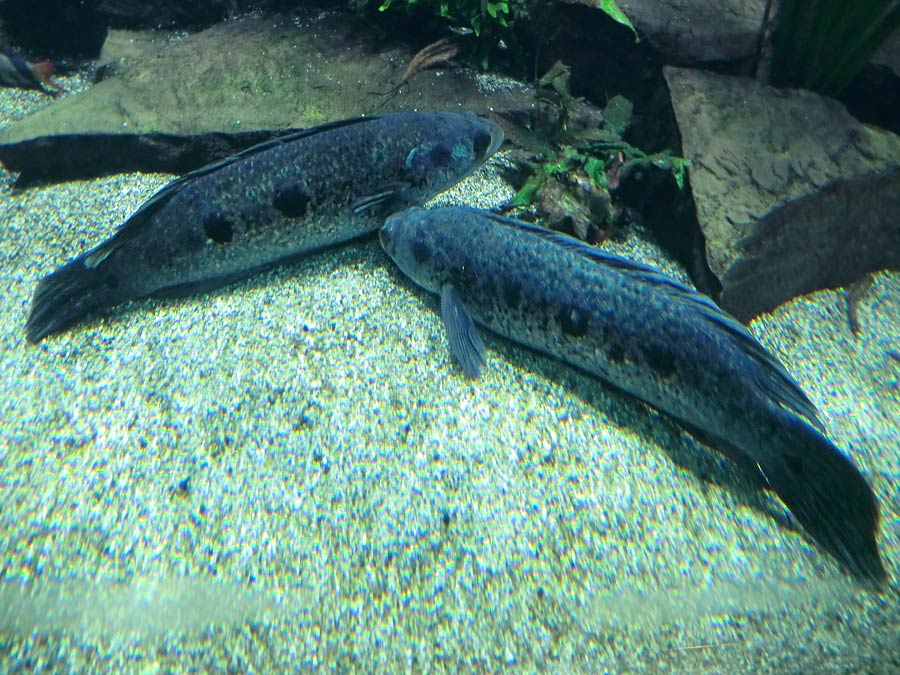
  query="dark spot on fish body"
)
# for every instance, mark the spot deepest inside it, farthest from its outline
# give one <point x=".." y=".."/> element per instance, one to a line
<point x="795" y="464"/>
<point x="661" y="361"/>
<point x="574" y="321"/>
<point x="292" y="201"/>
<point x="512" y="295"/>
<point x="439" y="155"/>
<point x="218" y="229"/>
<point x="615" y="353"/>
<point x="470" y="286"/>
<point x="420" y="251"/>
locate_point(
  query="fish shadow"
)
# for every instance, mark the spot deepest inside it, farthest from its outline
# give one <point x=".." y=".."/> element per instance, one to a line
<point x="312" y="264"/>
<point x="625" y="411"/>
<point x="655" y="429"/>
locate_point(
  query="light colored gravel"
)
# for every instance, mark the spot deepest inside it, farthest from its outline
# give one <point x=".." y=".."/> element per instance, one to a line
<point x="355" y="505"/>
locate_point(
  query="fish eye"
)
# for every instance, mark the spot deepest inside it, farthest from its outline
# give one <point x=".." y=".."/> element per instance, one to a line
<point x="481" y="143"/>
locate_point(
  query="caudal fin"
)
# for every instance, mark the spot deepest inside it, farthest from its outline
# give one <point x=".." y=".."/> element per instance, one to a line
<point x="65" y="296"/>
<point x="828" y="496"/>
<point x="42" y="74"/>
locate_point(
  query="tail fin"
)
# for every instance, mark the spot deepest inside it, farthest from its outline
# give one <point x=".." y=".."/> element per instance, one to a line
<point x="42" y="72"/>
<point x="65" y="296"/>
<point x="828" y="495"/>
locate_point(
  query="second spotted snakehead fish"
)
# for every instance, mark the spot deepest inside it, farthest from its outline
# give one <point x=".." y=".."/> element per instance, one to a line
<point x="272" y="202"/>
<point x="650" y="336"/>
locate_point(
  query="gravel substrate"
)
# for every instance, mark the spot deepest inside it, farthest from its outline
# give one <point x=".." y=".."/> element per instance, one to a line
<point x="290" y="474"/>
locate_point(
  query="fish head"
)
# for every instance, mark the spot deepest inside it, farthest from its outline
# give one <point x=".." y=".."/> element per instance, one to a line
<point x="454" y="145"/>
<point x="413" y="241"/>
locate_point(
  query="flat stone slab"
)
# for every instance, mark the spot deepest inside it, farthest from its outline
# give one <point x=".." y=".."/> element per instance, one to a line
<point x="793" y="194"/>
<point x="260" y="74"/>
<point x="695" y="31"/>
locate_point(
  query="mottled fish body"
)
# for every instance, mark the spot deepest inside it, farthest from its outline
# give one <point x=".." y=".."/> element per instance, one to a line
<point x="272" y="202"/>
<point x="649" y="336"/>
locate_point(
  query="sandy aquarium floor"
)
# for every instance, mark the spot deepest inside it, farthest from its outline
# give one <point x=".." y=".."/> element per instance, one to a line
<point x="290" y="475"/>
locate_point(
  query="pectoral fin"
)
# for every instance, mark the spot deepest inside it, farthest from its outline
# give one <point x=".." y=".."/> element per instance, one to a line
<point x="386" y="200"/>
<point x="466" y="344"/>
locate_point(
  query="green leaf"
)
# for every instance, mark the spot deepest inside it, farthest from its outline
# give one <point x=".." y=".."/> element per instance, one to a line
<point x="596" y="171"/>
<point x="677" y="166"/>
<point x="491" y="9"/>
<point x="385" y="5"/>
<point x="611" y="9"/>
<point x="476" y="25"/>
<point x="558" y="167"/>
<point x="529" y="192"/>
<point x="823" y="44"/>
<point x="674" y="165"/>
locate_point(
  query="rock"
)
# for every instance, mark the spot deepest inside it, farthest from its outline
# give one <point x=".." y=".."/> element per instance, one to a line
<point x="257" y="74"/>
<point x="126" y="48"/>
<point x="605" y="60"/>
<point x="792" y="193"/>
<point x="722" y="36"/>
<point x="695" y="31"/>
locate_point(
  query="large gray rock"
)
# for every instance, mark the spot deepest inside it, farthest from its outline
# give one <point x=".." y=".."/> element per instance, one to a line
<point x="257" y="74"/>
<point x="695" y="31"/>
<point x="792" y="193"/>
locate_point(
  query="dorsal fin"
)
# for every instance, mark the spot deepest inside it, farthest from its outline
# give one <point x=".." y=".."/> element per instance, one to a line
<point x="166" y="193"/>
<point x="777" y="384"/>
<point x="136" y="220"/>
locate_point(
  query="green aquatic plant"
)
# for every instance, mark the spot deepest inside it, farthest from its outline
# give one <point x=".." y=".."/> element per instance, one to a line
<point x="483" y="17"/>
<point x="822" y="44"/>
<point x="572" y="184"/>
<point x="611" y="9"/>
<point x="490" y="20"/>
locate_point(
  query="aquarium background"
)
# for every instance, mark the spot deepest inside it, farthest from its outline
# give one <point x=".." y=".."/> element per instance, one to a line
<point x="290" y="474"/>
